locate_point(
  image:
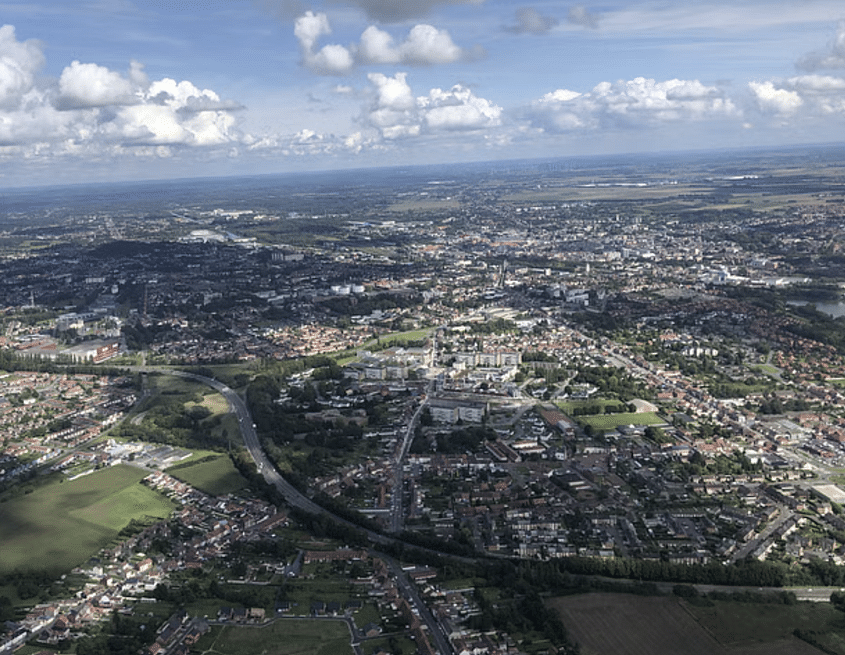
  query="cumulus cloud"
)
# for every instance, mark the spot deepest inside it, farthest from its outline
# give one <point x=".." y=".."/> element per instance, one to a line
<point x="396" y="11"/>
<point x="397" y="113"/>
<point x="330" y="59"/>
<point x="19" y="63"/>
<point x="307" y="142"/>
<point x="458" y="109"/>
<point x="84" y="86"/>
<point x="832" y="57"/>
<point x="90" y="109"/>
<point x="776" y="100"/>
<point x="633" y="103"/>
<point x="425" y="45"/>
<point x="578" y="15"/>
<point x="531" y="21"/>
<point x="377" y="47"/>
<point x="800" y="98"/>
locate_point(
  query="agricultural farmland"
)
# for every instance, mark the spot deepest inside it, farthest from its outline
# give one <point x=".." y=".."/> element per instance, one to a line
<point x="63" y="523"/>
<point x="622" y="624"/>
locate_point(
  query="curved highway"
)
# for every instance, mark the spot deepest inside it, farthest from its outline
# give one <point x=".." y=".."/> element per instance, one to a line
<point x="291" y="494"/>
<point x="297" y="499"/>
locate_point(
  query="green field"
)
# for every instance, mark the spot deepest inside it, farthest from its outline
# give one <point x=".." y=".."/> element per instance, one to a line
<point x="62" y="524"/>
<point x="611" y="421"/>
<point x="745" y="624"/>
<point x="768" y="369"/>
<point x="570" y="406"/>
<point x="216" y="477"/>
<point x="282" y="637"/>
<point x="620" y="624"/>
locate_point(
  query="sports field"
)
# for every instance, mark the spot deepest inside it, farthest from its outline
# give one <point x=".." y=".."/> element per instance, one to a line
<point x="60" y="525"/>
<point x="282" y="637"/>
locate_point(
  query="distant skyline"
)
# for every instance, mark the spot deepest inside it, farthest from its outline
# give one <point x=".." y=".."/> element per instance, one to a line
<point x="112" y="90"/>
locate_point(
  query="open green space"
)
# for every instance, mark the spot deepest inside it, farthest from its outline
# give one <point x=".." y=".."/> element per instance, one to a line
<point x="768" y="369"/>
<point x="344" y="357"/>
<point x="620" y="624"/>
<point x="281" y="637"/>
<point x="742" y="624"/>
<point x="63" y="523"/>
<point x="181" y="412"/>
<point x="389" y="644"/>
<point x="597" y="405"/>
<point x="302" y="593"/>
<point x="611" y="421"/>
<point x="214" y="474"/>
<point x="368" y="613"/>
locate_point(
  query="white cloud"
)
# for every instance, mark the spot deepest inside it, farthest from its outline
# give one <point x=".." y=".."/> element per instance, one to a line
<point x="308" y="142"/>
<point x="377" y="47"/>
<point x="817" y="83"/>
<point x="428" y="45"/>
<point x="831" y="58"/>
<point x="425" y="45"/>
<point x="633" y="103"/>
<point x="561" y="95"/>
<point x="579" y="15"/>
<point x="19" y="63"/>
<point x="309" y="27"/>
<point x="458" y="109"/>
<point x="330" y="59"/>
<point x="772" y="99"/>
<point x="531" y="21"/>
<point x="92" y="111"/>
<point x="84" y="86"/>
<point x="800" y="99"/>
<point x="396" y="113"/>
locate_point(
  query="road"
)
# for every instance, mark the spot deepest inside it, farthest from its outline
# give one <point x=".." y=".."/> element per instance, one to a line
<point x="397" y="508"/>
<point x="409" y="591"/>
<point x="250" y="438"/>
<point x="783" y="516"/>
<point x="296" y="499"/>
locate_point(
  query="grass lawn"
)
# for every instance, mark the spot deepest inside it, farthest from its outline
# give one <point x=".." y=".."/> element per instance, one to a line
<point x="374" y="645"/>
<point x="213" y="402"/>
<point x="305" y="592"/>
<point x="281" y="637"/>
<point x="216" y="477"/>
<point x="610" y="421"/>
<point x="347" y="356"/>
<point x="768" y="369"/>
<point x="62" y="524"/>
<point x="367" y="614"/>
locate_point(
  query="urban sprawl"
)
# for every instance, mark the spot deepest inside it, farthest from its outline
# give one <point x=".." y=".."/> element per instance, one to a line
<point x="533" y="365"/>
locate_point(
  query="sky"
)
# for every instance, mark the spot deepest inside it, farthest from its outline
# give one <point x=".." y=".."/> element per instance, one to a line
<point x="113" y="90"/>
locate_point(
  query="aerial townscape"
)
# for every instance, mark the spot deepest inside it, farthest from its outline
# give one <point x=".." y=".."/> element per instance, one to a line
<point x="524" y="407"/>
